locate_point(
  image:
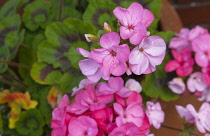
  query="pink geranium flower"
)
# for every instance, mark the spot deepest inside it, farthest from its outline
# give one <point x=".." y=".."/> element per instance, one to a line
<point x="144" y="58"/>
<point x="132" y="113"/>
<point x="112" y="57"/>
<point x="183" y="63"/>
<point x="89" y="99"/>
<point x="201" y="48"/>
<point x="60" y="118"/>
<point x="134" y="22"/>
<point x="83" y="126"/>
<point x="177" y="85"/>
<point x="155" y="114"/>
<point x="206" y="73"/>
<point x="90" y="68"/>
<point x="128" y="129"/>
<point x="185" y="113"/>
<point x="196" y="82"/>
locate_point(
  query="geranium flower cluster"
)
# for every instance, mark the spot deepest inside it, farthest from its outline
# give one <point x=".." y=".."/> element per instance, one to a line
<point x="102" y="109"/>
<point x="201" y="118"/>
<point x="130" y="51"/>
<point x="191" y="53"/>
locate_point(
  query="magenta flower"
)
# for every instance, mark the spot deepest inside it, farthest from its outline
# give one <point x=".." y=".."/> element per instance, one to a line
<point x="83" y="126"/>
<point x="183" y="63"/>
<point x="132" y="113"/>
<point x="112" y="57"/>
<point x="60" y="118"/>
<point x="155" y="114"/>
<point x="134" y="22"/>
<point x="90" y="68"/>
<point x="201" y="48"/>
<point x="196" y="82"/>
<point x="177" y="85"/>
<point x="144" y="58"/>
<point x="206" y="73"/>
<point x="128" y="129"/>
<point x="89" y="99"/>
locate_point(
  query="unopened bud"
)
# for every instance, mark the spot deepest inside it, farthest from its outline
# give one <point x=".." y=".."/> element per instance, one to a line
<point x="90" y="37"/>
<point x="148" y="33"/>
<point x="107" y="28"/>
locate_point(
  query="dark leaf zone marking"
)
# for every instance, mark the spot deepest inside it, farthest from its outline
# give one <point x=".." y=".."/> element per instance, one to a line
<point x="75" y="72"/>
<point x="45" y="71"/>
<point x="97" y="14"/>
<point x="4" y="32"/>
<point x="11" y="9"/>
<point x="37" y="12"/>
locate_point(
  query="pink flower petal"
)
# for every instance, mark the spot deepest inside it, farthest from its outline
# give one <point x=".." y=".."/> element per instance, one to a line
<point x="109" y="39"/>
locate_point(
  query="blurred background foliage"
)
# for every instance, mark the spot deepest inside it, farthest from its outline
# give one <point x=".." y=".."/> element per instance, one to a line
<point x="38" y="41"/>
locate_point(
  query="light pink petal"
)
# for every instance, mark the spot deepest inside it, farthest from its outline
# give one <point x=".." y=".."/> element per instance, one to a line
<point x="147" y="18"/>
<point x="177" y="43"/>
<point x="201" y="59"/>
<point x="109" y="39"/>
<point x="123" y="15"/>
<point x="136" y="12"/>
<point x="134" y="109"/>
<point x="76" y="108"/>
<point x="95" y="77"/>
<point x="157" y="46"/>
<point x="184" y="33"/>
<point x="195" y="32"/>
<point x="134" y="97"/>
<point x="133" y="85"/>
<point x="99" y="54"/>
<point x="88" y="66"/>
<point x="116" y="83"/>
<point x="149" y="69"/>
<point x="126" y="33"/>
<point x="83" y="52"/>
<point x="171" y="66"/>
<point x="104" y="88"/>
<point x="124" y="92"/>
<point x="122" y="51"/>
<point x="118" y="109"/>
<point x="201" y="43"/>
<point x="155" y="60"/>
<point x="120" y="68"/>
<point x="139" y="34"/>
<point x="109" y="64"/>
<point x="177" y="85"/>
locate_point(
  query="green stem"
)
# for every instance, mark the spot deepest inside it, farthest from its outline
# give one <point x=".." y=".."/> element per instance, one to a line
<point x="11" y="84"/>
<point x="14" y="64"/>
<point x="60" y="11"/>
<point x="169" y="127"/>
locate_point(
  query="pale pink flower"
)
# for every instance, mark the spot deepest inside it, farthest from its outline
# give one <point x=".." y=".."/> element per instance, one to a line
<point x="144" y="58"/>
<point x="201" y="48"/>
<point x="127" y="129"/>
<point x="83" y="126"/>
<point x="132" y="113"/>
<point x="90" y="68"/>
<point x="196" y="82"/>
<point x="183" y="63"/>
<point x="155" y="114"/>
<point x="205" y="96"/>
<point x="185" y="113"/>
<point x="182" y="41"/>
<point x="133" y="85"/>
<point x="112" y="57"/>
<point x="134" y="22"/>
<point x="177" y="85"/>
<point x="201" y="118"/>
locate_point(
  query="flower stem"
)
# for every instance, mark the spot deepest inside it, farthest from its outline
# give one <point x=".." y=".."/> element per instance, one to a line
<point x="169" y="127"/>
<point x="11" y="84"/>
<point x="14" y="64"/>
<point x="60" y="11"/>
